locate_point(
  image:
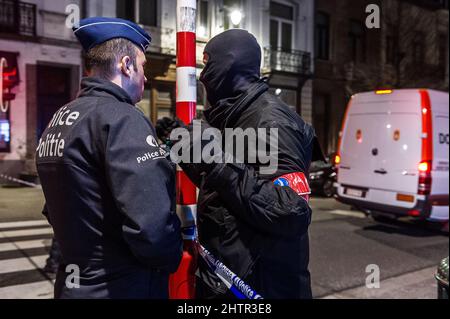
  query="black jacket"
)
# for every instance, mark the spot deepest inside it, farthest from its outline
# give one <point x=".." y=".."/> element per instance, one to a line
<point x="256" y="228"/>
<point x="110" y="196"/>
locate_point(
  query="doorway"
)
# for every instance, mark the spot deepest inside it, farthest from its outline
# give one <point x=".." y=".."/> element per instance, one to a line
<point x="53" y="91"/>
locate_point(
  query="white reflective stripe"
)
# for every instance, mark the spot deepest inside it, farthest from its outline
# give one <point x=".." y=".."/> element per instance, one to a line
<point x="187" y="3"/>
<point x="26" y="244"/>
<point x="27" y="232"/>
<point x="186" y="84"/>
<point x="22" y="264"/>
<point x="187" y="215"/>
<point x="41" y="222"/>
<point x="179" y="169"/>
<point x="228" y="277"/>
<point x="36" y="290"/>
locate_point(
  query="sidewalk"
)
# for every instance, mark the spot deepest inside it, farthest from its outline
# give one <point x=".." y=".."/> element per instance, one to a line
<point x="415" y="285"/>
<point x="21" y="204"/>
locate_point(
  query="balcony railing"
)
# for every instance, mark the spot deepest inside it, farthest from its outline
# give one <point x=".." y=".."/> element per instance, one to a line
<point x="17" y="17"/>
<point x="292" y="61"/>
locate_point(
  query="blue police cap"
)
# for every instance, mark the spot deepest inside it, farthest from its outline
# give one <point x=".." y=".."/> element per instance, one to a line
<point x="97" y="30"/>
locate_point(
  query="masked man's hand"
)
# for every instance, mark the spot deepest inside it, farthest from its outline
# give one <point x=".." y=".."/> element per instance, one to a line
<point x="200" y="151"/>
<point x="165" y="126"/>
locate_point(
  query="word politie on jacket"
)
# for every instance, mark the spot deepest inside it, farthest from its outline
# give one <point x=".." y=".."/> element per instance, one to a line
<point x="52" y="145"/>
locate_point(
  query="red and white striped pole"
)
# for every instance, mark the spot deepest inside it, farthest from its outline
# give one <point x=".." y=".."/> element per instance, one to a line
<point x="182" y="283"/>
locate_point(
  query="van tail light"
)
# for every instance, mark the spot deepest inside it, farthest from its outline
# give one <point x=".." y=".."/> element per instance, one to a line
<point x="336" y="162"/>
<point x="414" y="213"/>
<point x="425" y="178"/>
<point x="337" y="159"/>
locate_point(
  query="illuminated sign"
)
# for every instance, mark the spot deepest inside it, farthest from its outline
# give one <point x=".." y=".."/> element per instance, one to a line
<point x="3" y="65"/>
<point x="9" y="78"/>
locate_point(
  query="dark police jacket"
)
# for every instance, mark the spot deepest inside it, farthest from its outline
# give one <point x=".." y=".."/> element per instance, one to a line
<point x="110" y="196"/>
<point x="258" y="229"/>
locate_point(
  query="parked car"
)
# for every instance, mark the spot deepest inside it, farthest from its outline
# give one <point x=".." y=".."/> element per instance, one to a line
<point x="442" y="279"/>
<point x="393" y="154"/>
<point x="322" y="176"/>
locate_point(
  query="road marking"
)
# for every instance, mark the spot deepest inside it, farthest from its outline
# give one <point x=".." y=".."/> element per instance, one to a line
<point x="27" y="232"/>
<point x="15" y="272"/>
<point x="21" y="264"/>
<point x="26" y="244"/>
<point x="418" y="284"/>
<point x="41" y="222"/>
<point x="37" y="290"/>
<point x="347" y="213"/>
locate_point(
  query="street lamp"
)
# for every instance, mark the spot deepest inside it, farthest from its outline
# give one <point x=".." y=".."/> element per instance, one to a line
<point x="236" y="17"/>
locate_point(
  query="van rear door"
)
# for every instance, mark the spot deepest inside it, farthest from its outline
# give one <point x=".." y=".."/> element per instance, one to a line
<point x="381" y="148"/>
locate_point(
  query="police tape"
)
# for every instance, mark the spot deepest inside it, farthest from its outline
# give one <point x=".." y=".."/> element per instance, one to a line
<point x="19" y="181"/>
<point x="235" y="284"/>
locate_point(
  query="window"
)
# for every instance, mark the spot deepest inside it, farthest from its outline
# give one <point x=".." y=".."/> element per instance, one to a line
<point x="418" y="54"/>
<point x="281" y="26"/>
<point x="126" y="9"/>
<point x="281" y="11"/>
<point x="203" y="26"/>
<point x="140" y="11"/>
<point x="5" y="132"/>
<point x="288" y="96"/>
<point x="391" y="50"/>
<point x="148" y="12"/>
<point x="322" y="36"/>
<point x="84" y="9"/>
<point x="357" y="39"/>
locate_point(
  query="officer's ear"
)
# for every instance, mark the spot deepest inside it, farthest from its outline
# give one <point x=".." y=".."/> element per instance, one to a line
<point x="126" y="66"/>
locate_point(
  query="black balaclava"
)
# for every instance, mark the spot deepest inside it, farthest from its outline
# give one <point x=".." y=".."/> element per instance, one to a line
<point x="234" y="64"/>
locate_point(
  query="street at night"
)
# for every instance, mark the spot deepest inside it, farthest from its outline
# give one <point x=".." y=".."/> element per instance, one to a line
<point x="194" y="151"/>
<point x="343" y="243"/>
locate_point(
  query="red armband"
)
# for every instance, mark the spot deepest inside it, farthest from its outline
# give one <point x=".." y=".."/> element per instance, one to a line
<point x="297" y="182"/>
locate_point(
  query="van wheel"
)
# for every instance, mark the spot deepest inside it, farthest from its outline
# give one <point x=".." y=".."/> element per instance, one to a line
<point x="328" y="188"/>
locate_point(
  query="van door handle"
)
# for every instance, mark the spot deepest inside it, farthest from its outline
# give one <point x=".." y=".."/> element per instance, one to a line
<point x="380" y="171"/>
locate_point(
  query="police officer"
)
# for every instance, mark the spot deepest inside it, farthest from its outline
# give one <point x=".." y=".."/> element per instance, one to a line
<point x="253" y="219"/>
<point x="109" y="189"/>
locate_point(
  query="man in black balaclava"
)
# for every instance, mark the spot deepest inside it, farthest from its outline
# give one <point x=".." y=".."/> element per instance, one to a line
<point x="254" y="221"/>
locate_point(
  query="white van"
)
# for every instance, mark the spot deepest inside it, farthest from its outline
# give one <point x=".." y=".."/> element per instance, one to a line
<point x="393" y="155"/>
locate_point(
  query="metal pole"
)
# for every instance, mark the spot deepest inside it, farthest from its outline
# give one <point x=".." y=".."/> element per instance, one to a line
<point x="182" y="283"/>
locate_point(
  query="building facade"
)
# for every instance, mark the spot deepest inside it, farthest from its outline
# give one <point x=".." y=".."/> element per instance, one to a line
<point x="40" y="47"/>
<point x="43" y="67"/>
<point x="409" y="50"/>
